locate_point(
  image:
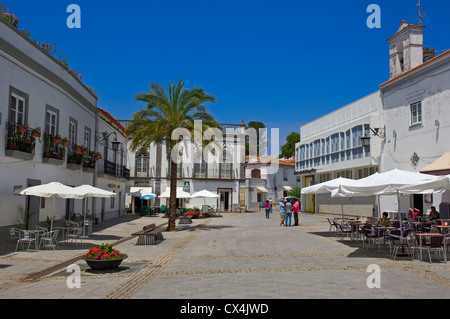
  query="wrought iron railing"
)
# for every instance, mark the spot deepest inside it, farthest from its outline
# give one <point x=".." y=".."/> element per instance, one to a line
<point x="21" y="137"/>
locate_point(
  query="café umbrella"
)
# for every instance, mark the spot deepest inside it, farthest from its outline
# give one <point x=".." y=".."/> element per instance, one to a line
<point x="91" y="191"/>
<point x="52" y="190"/>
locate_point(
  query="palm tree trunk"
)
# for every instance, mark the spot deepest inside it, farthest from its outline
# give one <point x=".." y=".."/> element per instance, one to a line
<point x="173" y="194"/>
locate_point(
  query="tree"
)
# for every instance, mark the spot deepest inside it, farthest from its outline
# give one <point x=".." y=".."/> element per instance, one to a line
<point x="296" y="191"/>
<point x="164" y="114"/>
<point x="288" y="149"/>
<point x="259" y="149"/>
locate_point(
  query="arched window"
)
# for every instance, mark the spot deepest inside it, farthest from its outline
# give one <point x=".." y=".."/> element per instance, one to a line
<point x="256" y="173"/>
<point x="142" y="161"/>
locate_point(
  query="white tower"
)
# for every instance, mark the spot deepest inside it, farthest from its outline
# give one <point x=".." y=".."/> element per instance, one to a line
<point x="406" y="48"/>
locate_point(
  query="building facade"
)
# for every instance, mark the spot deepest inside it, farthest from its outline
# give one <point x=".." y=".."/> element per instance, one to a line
<point x="268" y="179"/>
<point x="332" y="147"/>
<point x="400" y="126"/>
<point x="416" y="104"/>
<point x="49" y="125"/>
<point x="150" y="170"/>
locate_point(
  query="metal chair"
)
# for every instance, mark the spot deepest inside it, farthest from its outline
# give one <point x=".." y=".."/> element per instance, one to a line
<point x="14" y="234"/>
<point x="436" y="243"/>
<point x="25" y="237"/>
<point x="397" y="244"/>
<point x="344" y="230"/>
<point x="50" y="238"/>
<point x="75" y="234"/>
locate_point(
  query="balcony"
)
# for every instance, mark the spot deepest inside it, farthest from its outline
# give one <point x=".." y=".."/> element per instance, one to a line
<point x="75" y="156"/>
<point x="116" y="170"/>
<point x="54" y="150"/>
<point x="21" y="141"/>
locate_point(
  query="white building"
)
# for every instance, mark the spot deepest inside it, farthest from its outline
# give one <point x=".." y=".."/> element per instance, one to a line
<point x="38" y="94"/>
<point x="406" y="122"/>
<point x="150" y="172"/>
<point x="331" y="147"/>
<point x="268" y="179"/>
<point x="416" y="105"/>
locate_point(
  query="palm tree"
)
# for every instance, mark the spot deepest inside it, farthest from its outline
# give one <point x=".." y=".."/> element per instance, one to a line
<point x="166" y="112"/>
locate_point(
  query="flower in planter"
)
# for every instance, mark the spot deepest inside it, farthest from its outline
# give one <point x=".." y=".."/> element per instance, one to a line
<point x="65" y="141"/>
<point x="36" y="133"/>
<point x="57" y="138"/>
<point x="103" y="252"/>
<point x="193" y="214"/>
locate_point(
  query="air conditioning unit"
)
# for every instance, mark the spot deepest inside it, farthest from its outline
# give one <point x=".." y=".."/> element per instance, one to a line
<point x="444" y="210"/>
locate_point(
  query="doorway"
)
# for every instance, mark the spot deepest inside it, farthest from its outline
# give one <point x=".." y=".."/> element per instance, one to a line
<point x="224" y="199"/>
<point x="418" y="202"/>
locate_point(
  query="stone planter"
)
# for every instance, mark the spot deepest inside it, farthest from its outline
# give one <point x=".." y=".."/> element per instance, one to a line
<point x="107" y="264"/>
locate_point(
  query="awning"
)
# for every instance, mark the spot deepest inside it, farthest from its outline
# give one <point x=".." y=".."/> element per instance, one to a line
<point x="441" y="166"/>
<point x="287" y="188"/>
<point x="141" y="191"/>
<point x="261" y="189"/>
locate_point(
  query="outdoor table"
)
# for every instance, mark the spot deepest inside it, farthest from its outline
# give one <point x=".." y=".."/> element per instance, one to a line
<point x="422" y="235"/>
<point x="64" y="231"/>
<point x="354" y="224"/>
<point x="388" y="230"/>
<point x="441" y="228"/>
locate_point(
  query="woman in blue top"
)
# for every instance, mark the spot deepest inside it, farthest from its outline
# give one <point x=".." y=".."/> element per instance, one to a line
<point x="282" y="211"/>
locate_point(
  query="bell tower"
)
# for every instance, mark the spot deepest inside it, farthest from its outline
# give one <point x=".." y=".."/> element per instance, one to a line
<point x="405" y="48"/>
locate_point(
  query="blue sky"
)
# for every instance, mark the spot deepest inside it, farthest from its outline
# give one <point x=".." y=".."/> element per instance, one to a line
<point x="283" y="63"/>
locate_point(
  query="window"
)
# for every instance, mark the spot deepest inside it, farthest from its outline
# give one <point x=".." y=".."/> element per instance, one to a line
<point x="416" y="113"/>
<point x="87" y="139"/>
<point x="51" y="119"/>
<point x="357" y="134"/>
<point x="72" y="134"/>
<point x="17" y="109"/>
<point x="142" y="164"/>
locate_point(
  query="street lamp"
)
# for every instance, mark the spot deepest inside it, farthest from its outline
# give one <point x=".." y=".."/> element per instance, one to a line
<point x="115" y="144"/>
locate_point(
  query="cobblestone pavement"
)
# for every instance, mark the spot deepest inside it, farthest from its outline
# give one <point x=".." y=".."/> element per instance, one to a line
<point x="228" y="257"/>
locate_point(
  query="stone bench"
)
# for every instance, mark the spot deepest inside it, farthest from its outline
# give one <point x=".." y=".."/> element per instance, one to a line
<point x="185" y="220"/>
<point x="149" y="235"/>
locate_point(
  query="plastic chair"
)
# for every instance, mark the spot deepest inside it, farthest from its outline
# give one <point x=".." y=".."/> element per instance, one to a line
<point x="50" y="238"/>
<point x="26" y="236"/>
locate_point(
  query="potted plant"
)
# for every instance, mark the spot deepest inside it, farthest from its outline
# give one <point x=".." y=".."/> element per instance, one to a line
<point x="47" y="144"/>
<point x="65" y="142"/>
<point x="36" y="134"/>
<point x="103" y="257"/>
<point x="57" y="139"/>
<point x="12" y="141"/>
<point x="22" y="128"/>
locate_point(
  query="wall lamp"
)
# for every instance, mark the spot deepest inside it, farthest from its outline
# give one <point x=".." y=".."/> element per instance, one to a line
<point x="377" y="131"/>
<point x="115" y="144"/>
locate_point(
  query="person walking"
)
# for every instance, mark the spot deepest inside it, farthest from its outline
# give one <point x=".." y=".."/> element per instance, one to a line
<point x="282" y="211"/>
<point x="267" y="207"/>
<point x="288" y="208"/>
<point x="295" y="211"/>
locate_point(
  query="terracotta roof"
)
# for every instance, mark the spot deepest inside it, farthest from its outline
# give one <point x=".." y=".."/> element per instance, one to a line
<point x="268" y="160"/>
<point x="438" y="57"/>
<point x="112" y="119"/>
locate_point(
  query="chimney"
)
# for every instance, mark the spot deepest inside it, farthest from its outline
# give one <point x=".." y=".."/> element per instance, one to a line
<point x="405" y="48"/>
